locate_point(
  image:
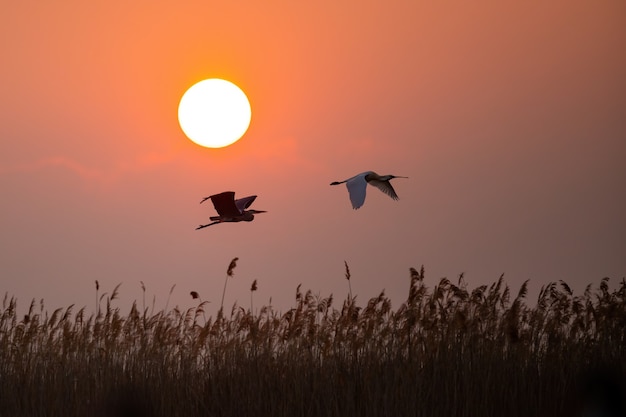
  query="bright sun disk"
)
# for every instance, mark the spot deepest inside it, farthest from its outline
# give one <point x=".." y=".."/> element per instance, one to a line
<point x="214" y="113"/>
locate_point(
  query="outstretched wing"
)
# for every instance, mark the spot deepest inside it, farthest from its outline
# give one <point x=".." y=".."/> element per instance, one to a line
<point x="385" y="187"/>
<point x="224" y="204"/>
<point x="244" y="203"/>
<point x="356" y="188"/>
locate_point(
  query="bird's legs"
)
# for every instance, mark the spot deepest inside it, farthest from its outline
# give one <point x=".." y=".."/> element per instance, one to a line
<point x="202" y="226"/>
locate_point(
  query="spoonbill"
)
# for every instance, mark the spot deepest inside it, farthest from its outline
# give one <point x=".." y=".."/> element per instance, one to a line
<point x="357" y="185"/>
<point x="229" y="209"/>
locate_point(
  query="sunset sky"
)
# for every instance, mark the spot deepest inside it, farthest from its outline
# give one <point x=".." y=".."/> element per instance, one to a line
<point x="509" y="118"/>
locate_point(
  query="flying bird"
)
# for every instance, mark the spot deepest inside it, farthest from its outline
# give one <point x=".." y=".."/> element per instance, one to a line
<point x="357" y="185"/>
<point x="229" y="209"/>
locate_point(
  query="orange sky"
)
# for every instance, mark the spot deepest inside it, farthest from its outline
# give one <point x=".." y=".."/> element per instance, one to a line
<point x="510" y="121"/>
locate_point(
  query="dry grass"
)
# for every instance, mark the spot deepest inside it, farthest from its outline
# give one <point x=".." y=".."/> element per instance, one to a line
<point x="446" y="351"/>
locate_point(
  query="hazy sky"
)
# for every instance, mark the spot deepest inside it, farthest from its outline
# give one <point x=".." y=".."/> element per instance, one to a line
<point x="508" y="117"/>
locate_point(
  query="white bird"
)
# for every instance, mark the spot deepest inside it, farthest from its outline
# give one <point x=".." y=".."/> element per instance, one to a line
<point x="357" y="185"/>
<point x="229" y="209"/>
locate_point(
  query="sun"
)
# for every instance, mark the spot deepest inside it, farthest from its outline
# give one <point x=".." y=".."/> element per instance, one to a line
<point x="214" y="113"/>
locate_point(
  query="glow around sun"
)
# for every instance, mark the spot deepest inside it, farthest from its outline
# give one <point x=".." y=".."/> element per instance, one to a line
<point x="214" y="113"/>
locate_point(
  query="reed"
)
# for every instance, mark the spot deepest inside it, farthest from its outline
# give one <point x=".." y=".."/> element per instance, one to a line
<point x="449" y="350"/>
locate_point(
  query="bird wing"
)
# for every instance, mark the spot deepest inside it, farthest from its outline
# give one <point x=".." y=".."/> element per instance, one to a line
<point x="244" y="203"/>
<point x="356" y="188"/>
<point x="224" y="204"/>
<point x="385" y="187"/>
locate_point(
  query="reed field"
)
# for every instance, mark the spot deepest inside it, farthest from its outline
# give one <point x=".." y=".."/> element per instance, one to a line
<point x="448" y="350"/>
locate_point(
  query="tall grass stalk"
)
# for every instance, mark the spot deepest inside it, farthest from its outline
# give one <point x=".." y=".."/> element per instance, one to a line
<point x="348" y="278"/>
<point x="253" y="288"/>
<point x="229" y="273"/>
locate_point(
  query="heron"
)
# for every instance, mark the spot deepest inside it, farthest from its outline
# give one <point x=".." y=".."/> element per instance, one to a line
<point x="357" y="185"/>
<point x="229" y="209"/>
